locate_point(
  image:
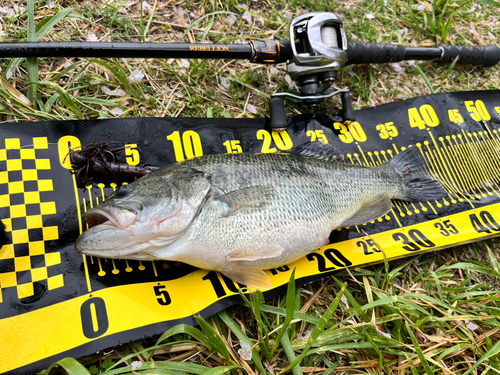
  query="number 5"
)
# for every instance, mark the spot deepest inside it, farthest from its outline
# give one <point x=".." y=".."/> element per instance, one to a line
<point x="163" y="296"/>
<point x="132" y="153"/>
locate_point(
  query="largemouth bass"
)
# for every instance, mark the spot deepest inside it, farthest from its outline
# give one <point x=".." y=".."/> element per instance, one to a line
<point x="240" y="214"/>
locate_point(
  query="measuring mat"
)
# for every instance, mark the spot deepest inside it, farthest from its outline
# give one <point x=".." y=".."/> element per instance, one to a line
<point x="55" y="303"/>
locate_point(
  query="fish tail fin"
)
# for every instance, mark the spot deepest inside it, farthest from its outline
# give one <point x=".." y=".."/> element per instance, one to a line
<point x="418" y="183"/>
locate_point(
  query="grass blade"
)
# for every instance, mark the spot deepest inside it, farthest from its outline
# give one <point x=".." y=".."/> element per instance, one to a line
<point x="297" y="315"/>
<point x="493" y="259"/>
<point x="184" y="328"/>
<point x="319" y="327"/>
<point x="473" y="267"/>
<point x="156" y="371"/>
<point x="66" y="98"/>
<point x="381" y="360"/>
<point x="331" y="369"/>
<point x="290" y="310"/>
<point x="50" y="102"/>
<point x="354" y="303"/>
<point x="453" y="349"/>
<point x="405" y="298"/>
<point x="35" y="35"/>
<point x="146" y="29"/>
<point x="290" y="355"/>
<point x="222" y="370"/>
<point x="493" y="360"/>
<point x="438" y="285"/>
<point x="10" y="92"/>
<point x="419" y="351"/>
<point x="121" y="77"/>
<point x="494" y="352"/>
<point x="32" y="62"/>
<point x="181" y="367"/>
<point x="105" y="102"/>
<point x="490" y="2"/>
<point x="425" y="78"/>
<point x="9" y="72"/>
<point x="242" y="337"/>
<point x="65" y="71"/>
<point x="71" y="365"/>
<point x="213" y="338"/>
<point x="44" y="26"/>
<point x="205" y="16"/>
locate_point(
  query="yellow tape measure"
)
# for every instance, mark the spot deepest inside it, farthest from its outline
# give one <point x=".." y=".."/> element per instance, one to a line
<point x="54" y="302"/>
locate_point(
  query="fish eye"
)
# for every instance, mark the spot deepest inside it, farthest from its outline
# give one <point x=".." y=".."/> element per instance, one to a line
<point x="123" y="191"/>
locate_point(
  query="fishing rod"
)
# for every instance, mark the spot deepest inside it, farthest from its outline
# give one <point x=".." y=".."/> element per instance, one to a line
<point x="317" y="50"/>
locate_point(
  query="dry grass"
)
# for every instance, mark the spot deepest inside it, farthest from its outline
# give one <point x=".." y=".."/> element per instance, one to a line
<point x="226" y="88"/>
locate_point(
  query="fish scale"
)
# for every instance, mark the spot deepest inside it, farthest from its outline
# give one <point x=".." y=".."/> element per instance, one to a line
<point x="316" y="195"/>
<point x="240" y="214"/>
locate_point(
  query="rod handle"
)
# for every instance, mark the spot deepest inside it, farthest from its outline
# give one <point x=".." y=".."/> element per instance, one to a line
<point x="473" y="55"/>
<point x="374" y="53"/>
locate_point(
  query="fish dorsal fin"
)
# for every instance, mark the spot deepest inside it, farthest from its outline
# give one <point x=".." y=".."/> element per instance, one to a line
<point x="250" y="276"/>
<point x="250" y="199"/>
<point x="371" y="209"/>
<point x="265" y="252"/>
<point x="317" y="150"/>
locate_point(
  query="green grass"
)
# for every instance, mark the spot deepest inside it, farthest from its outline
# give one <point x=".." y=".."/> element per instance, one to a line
<point x="198" y="90"/>
<point x="426" y="314"/>
<point x="436" y="313"/>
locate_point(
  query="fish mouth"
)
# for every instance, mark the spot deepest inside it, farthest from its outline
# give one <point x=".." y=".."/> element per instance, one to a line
<point x="110" y="232"/>
<point x="97" y="217"/>
<point x="108" y="241"/>
<point x="121" y="216"/>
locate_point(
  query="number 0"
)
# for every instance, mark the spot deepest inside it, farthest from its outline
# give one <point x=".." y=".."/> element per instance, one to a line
<point x="94" y="317"/>
<point x="64" y="144"/>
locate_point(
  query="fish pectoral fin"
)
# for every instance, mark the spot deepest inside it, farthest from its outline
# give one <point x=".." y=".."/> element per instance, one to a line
<point x="250" y="276"/>
<point x="250" y="199"/>
<point x="371" y="209"/>
<point x="265" y="252"/>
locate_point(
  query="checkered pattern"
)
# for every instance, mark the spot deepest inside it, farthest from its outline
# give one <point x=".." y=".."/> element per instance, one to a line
<point x="24" y="185"/>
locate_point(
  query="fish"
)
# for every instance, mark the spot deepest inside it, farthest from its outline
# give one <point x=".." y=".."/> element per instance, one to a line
<point x="241" y="214"/>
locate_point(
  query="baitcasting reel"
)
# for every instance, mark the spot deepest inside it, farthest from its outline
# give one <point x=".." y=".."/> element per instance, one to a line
<point x="319" y="50"/>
